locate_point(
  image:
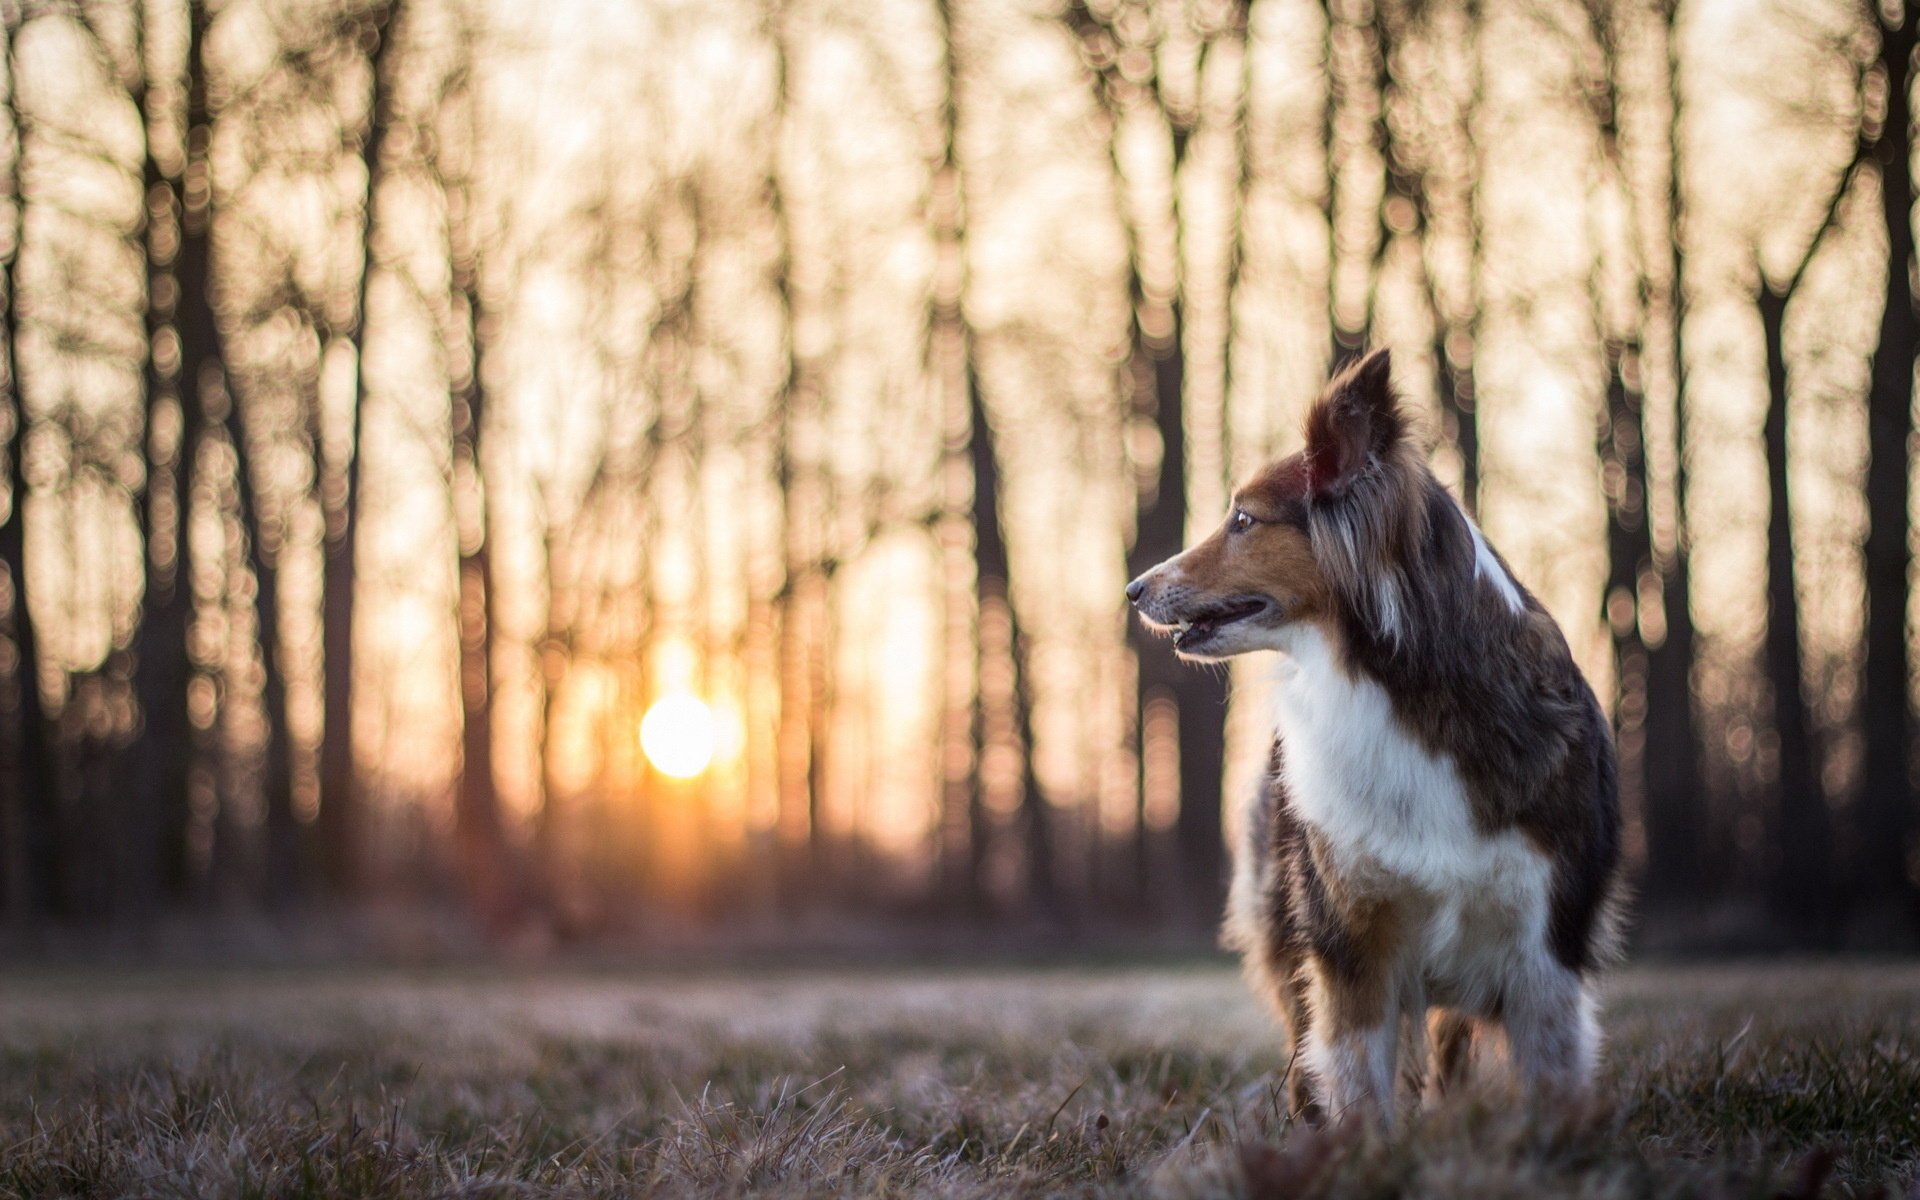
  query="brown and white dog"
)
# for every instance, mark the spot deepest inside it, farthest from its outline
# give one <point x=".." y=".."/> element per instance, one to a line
<point x="1437" y="838"/>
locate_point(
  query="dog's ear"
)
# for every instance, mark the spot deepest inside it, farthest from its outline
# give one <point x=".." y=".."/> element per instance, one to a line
<point x="1356" y="419"/>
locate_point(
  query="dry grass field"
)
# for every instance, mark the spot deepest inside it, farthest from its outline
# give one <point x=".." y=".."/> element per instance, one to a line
<point x="1732" y="1081"/>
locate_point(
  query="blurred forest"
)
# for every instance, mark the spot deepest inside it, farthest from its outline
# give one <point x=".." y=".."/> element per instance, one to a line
<point x="403" y="396"/>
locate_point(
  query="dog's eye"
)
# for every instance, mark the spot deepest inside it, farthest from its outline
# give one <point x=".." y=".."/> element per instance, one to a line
<point x="1241" y="521"/>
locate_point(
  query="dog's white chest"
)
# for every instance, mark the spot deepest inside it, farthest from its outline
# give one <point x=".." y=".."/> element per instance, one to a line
<point x="1388" y="807"/>
<point x="1354" y="773"/>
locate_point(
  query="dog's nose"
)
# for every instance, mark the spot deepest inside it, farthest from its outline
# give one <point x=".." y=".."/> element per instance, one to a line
<point x="1136" y="589"/>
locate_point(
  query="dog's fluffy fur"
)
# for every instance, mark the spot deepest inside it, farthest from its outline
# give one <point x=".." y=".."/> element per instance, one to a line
<point x="1437" y="837"/>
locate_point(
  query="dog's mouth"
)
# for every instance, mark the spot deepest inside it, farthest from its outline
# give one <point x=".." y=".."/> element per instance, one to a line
<point x="1201" y="627"/>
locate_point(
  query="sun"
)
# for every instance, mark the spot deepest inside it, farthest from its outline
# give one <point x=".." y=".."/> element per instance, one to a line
<point x="678" y="735"/>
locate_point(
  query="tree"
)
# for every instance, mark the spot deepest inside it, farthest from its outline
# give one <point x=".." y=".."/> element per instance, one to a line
<point x="1639" y="635"/>
<point x="1801" y="881"/>
<point x="1674" y="812"/>
<point x="1155" y="376"/>
<point x="1887" y="791"/>
<point x="184" y="352"/>
<point x="283" y="850"/>
<point x="156" y="765"/>
<point x="491" y="871"/>
<point x="798" y="605"/>
<point x="338" y="823"/>
<point x="25" y="775"/>
<point x="1407" y="193"/>
<point x="953" y="357"/>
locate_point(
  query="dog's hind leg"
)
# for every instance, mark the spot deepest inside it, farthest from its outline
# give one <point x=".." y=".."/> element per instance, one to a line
<point x="1553" y="1037"/>
<point x="1450" y="1035"/>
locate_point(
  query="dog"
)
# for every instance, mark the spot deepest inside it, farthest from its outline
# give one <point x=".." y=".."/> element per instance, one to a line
<point x="1436" y="841"/>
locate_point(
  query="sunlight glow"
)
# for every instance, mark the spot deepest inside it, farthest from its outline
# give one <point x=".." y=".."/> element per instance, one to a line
<point x="678" y="735"/>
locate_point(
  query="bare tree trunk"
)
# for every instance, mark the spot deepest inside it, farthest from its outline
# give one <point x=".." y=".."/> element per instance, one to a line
<point x="1802" y="877"/>
<point x="1362" y="93"/>
<point x="1236" y="30"/>
<point x="1887" y="791"/>
<point x="558" y="893"/>
<point x="965" y="832"/>
<point x="152" y="846"/>
<point x="1456" y="354"/>
<point x="199" y="327"/>
<point x="337" y="824"/>
<point x="482" y="835"/>
<point x="794" y="738"/>
<point x="160" y="763"/>
<point x="283" y="857"/>
<point x="1623" y="432"/>
<point x="1801" y="881"/>
<point x="1629" y="552"/>
<point x="25" y="778"/>
<point x="794" y="770"/>
<point x="491" y="875"/>
<point x="953" y="352"/>
<point x="822" y="844"/>
<point x="994" y="599"/>
<point x="1674" y="814"/>
<point x="25" y="774"/>
<point x="1200" y="696"/>
<point x="1158" y="376"/>
<point x="1406" y="181"/>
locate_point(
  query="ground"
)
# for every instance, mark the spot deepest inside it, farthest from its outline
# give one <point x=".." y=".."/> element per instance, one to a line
<point x="1746" y="1080"/>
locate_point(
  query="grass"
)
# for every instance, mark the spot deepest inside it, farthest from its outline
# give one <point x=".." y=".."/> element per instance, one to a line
<point x="1728" y="1081"/>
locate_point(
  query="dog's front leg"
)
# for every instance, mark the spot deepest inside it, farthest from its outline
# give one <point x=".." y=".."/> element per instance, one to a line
<point x="1450" y="1034"/>
<point x="1353" y="1041"/>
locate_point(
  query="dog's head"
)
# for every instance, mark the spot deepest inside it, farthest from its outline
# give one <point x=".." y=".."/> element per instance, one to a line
<point x="1262" y="571"/>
